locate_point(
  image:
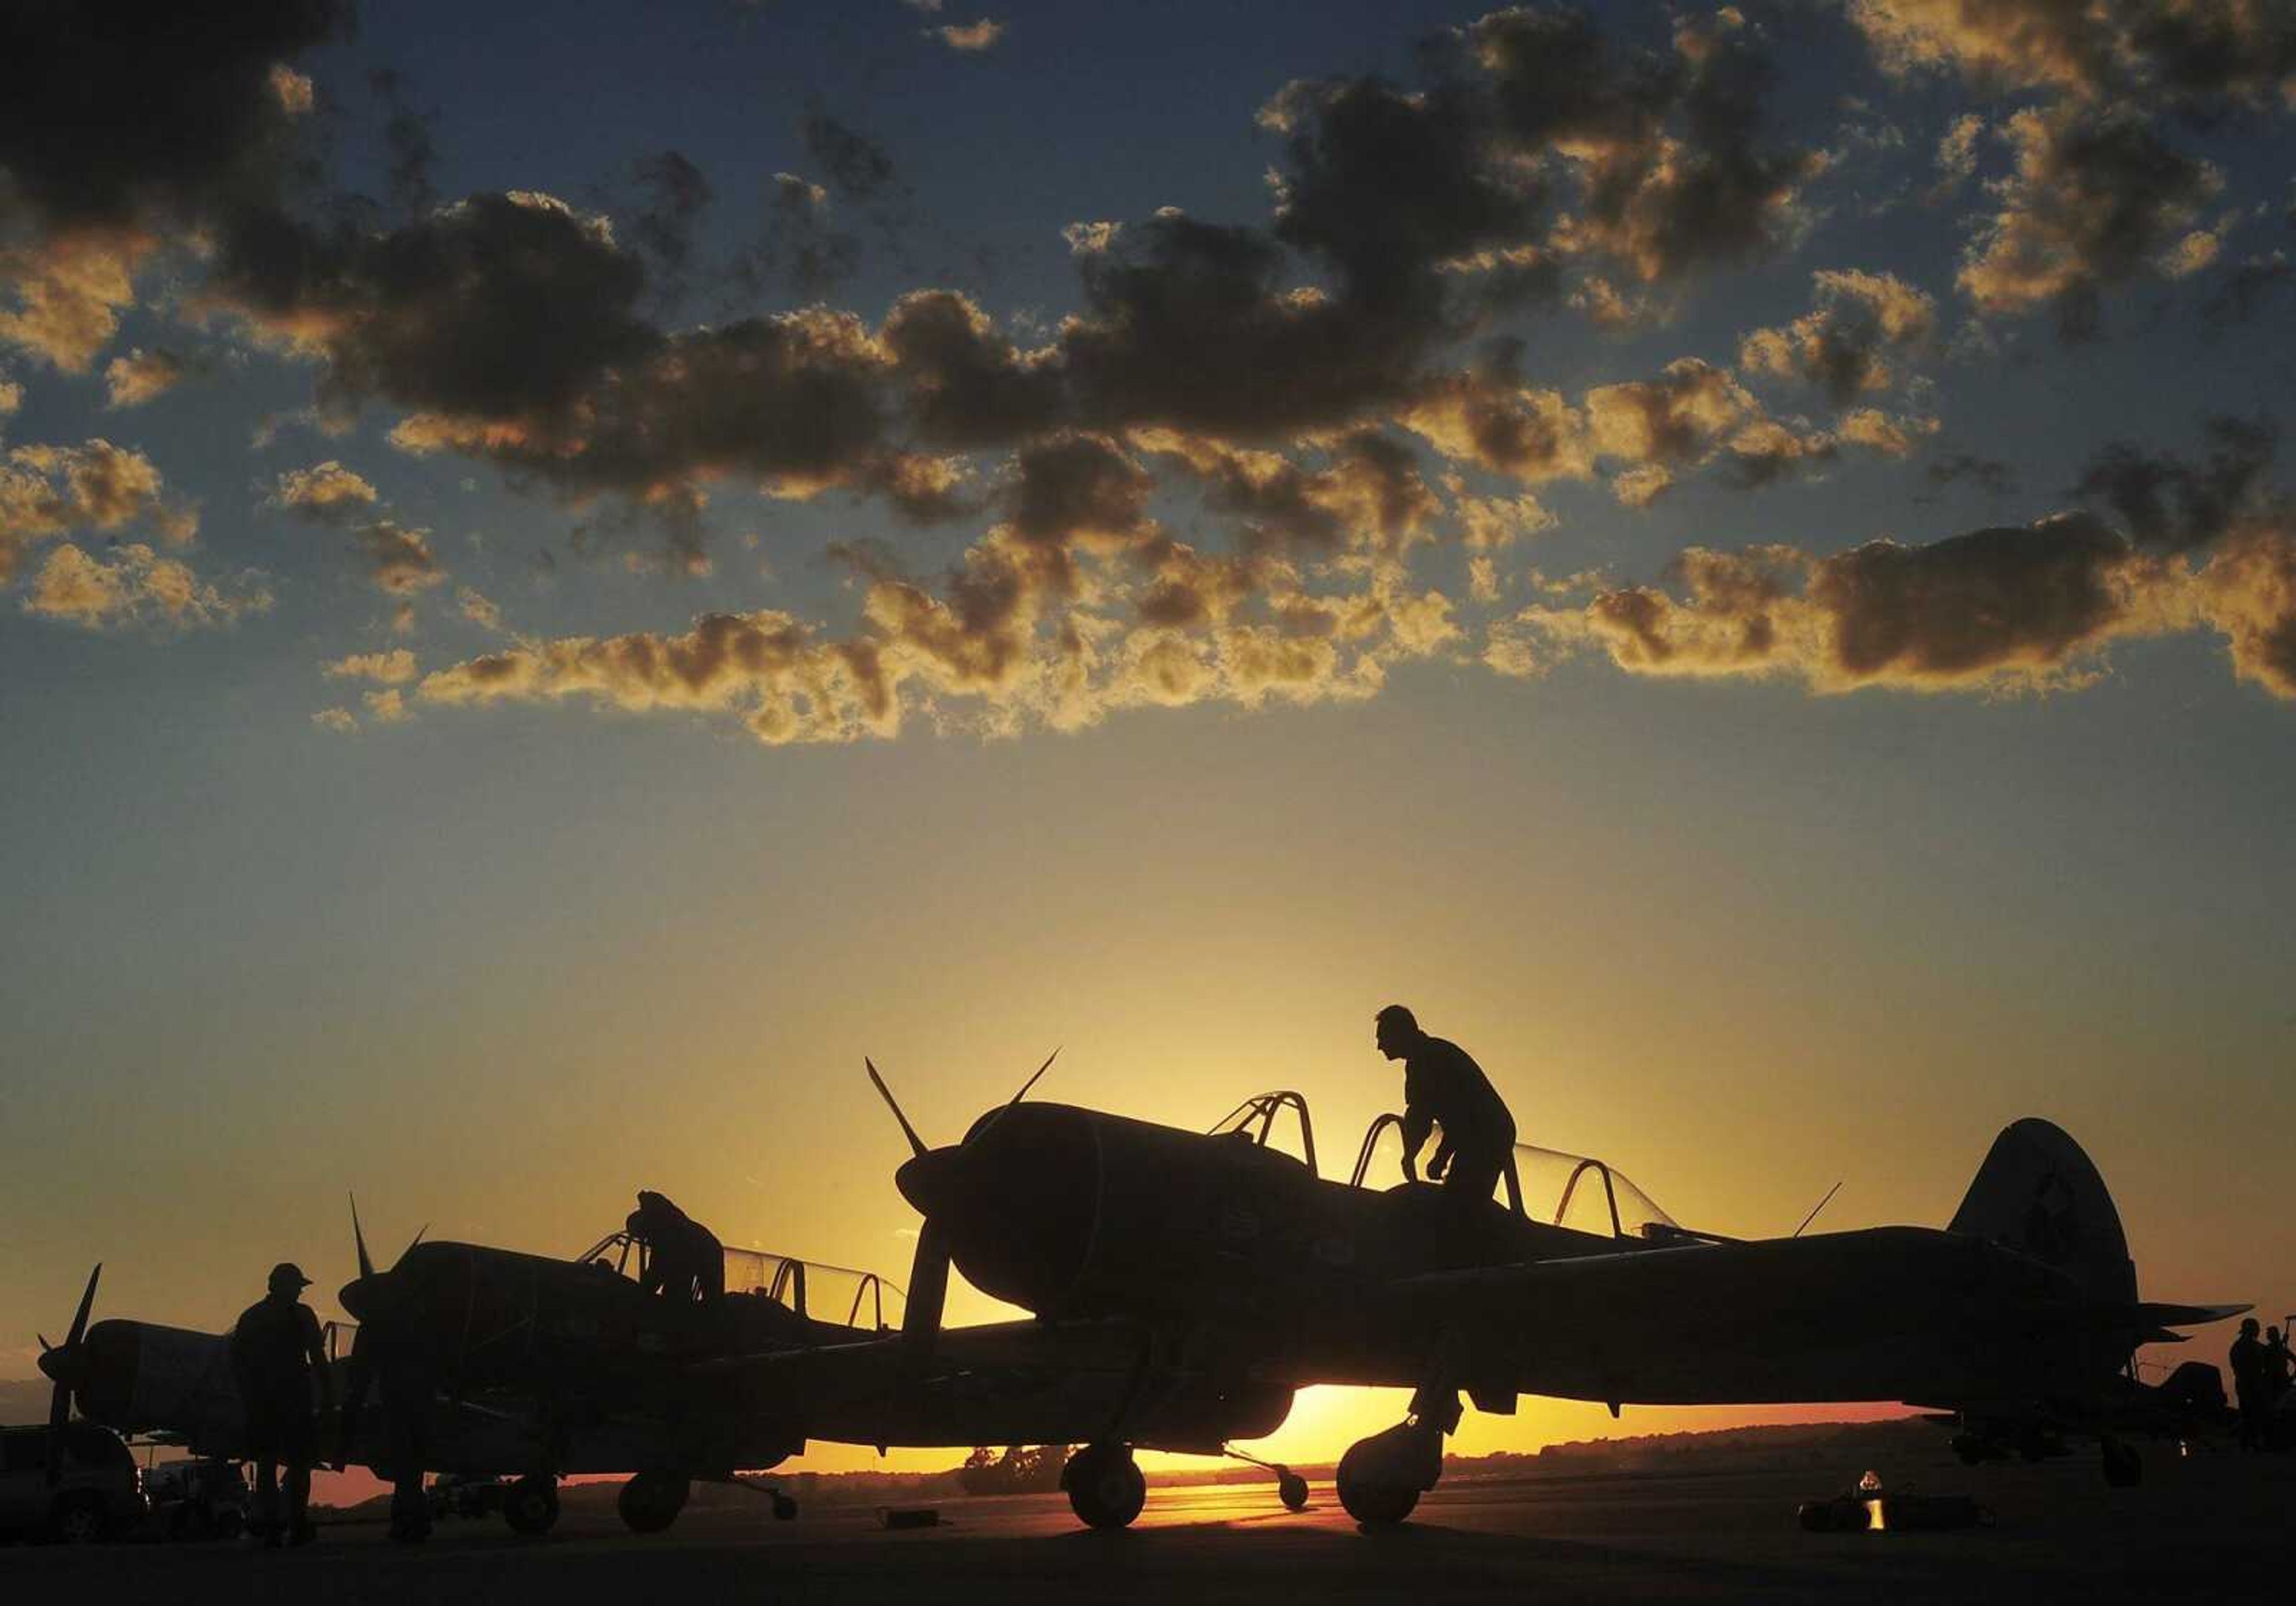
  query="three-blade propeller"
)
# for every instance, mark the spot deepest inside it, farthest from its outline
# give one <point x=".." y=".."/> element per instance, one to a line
<point x="926" y="1181"/>
<point x="66" y="1365"/>
<point x="369" y="1300"/>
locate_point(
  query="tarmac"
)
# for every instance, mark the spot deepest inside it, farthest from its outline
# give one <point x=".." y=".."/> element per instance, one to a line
<point x="2215" y="1528"/>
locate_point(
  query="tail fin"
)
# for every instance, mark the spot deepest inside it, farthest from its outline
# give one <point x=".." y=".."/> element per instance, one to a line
<point x="2037" y="1193"/>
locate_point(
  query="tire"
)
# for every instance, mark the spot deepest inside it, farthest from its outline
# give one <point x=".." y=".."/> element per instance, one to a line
<point x="785" y="1509"/>
<point x="1371" y="1499"/>
<point x="1292" y="1490"/>
<point x="1376" y="1504"/>
<point x="531" y="1505"/>
<point x="2124" y="1468"/>
<point x="1105" y="1485"/>
<point x="78" y="1519"/>
<point x="650" y="1502"/>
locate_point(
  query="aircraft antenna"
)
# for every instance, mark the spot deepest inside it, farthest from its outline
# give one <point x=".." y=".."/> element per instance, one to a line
<point x="1820" y="1205"/>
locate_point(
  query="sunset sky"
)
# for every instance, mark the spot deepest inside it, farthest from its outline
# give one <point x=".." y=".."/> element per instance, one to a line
<point x="566" y="573"/>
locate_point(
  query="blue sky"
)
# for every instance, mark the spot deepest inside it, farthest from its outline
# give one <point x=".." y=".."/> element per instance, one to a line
<point x="1749" y="579"/>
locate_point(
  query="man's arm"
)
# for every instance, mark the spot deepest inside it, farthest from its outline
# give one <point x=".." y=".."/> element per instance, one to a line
<point x="1416" y="1125"/>
<point x="1441" y="1164"/>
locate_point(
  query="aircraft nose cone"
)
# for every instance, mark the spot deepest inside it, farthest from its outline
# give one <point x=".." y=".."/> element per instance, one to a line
<point x="933" y="1181"/>
<point x="63" y="1365"/>
<point x="363" y="1296"/>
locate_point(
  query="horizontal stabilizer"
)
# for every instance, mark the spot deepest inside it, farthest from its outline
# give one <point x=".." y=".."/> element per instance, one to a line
<point x="2149" y="1321"/>
<point x="2159" y="1314"/>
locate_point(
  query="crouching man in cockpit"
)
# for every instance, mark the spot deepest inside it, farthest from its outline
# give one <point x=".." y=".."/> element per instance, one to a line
<point x="685" y="1261"/>
<point x="1442" y="1084"/>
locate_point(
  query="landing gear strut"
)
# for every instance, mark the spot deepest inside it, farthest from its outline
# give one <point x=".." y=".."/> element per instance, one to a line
<point x="1104" y="1486"/>
<point x="531" y="1505"/>
<point x="650" y="1502"/>
<point x="1381" y="1478"/>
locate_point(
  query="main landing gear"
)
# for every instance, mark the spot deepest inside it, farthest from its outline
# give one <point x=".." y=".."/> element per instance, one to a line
<point x="650" y="1502"/>
<point x="1381" y="1478"/>
<point x="1104" y="1486"/>
<point x="531" y="1505"/>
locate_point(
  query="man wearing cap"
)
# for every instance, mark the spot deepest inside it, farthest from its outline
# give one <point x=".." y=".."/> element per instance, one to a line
<point x="276" y="1354"/>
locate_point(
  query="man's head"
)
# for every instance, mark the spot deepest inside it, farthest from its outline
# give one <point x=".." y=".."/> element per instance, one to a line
<point x="288" y="1281"/>
<point x="2248" y="1328"/>
<point x="2272" y="1335"/>
<point x="1398" y="1031"/>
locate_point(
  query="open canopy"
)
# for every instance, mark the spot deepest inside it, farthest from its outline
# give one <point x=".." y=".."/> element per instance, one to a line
<point x="810" y="1288"/>
<point x="1574" y="1191"/>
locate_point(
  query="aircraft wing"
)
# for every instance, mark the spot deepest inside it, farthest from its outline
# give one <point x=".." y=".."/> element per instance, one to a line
<point x="1012" y="1382"/>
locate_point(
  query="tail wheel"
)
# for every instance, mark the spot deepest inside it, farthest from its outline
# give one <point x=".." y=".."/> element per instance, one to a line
<point x="1292" y="1490"/>
<point x="531" y="1505"/>
<point x="1105" y="1485"/>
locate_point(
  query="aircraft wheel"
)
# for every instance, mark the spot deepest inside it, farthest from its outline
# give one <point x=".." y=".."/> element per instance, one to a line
<point x="1292" y="1490"/>
<point x="410" y="1512"/>
<point x="1381" y="1478"/>
<point x="1376" y="1504"/>
<point x="531" y="1506"/>
<point x="650" y="1502"/>
<point x="784" y="1508"/>
<point x="1104" y="1485"/>
<point x="2124" y="1468"/>
<point x="78" y="1520"/>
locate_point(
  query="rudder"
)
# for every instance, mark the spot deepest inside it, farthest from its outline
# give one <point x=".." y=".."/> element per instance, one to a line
<point x="2038" y="1194"/>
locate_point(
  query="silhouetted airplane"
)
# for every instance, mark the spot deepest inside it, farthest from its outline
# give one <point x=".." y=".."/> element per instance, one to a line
<point x="1225" y="1251"/>
<point x="1184" y="1285"/>
<point x="492" y="1362"/>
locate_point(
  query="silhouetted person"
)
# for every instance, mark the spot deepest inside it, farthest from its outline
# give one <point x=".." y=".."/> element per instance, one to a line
<point x="1442" y="1085"/>
<point x="2279" y="1365"/>
<point x="276" y="1353"/>
<point x="685" y="1261"/>
<point x="2250" y="1384"/>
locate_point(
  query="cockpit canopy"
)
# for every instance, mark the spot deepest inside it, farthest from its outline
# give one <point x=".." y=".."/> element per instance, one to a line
<point x="809" y="1287"/>
<point x="1562" y="1190"/>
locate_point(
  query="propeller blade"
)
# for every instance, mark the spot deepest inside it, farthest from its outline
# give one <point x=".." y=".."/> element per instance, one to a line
<point x="916" y="1143"/>
<point x="79" y="1316"/>
<point x="366" y="1261"/>
<point x="411" y="1243"/>
<point x="59" y="1413"/>
<point x="66" y="1365"/>
<point x="358" y="1377"/>
<point x="44" y="1345"/>
<point x="989" y="1124"/>
<point x="1033" y="1080"/>
<point x="928" y="1293"/>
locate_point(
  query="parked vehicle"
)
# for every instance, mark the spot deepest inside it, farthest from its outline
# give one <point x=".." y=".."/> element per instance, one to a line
<point x="197" y="1499"/>
<point x="98" y="1495"/>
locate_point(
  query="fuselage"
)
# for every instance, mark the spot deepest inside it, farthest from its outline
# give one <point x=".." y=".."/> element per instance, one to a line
<point x="1286" y="1277"/>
